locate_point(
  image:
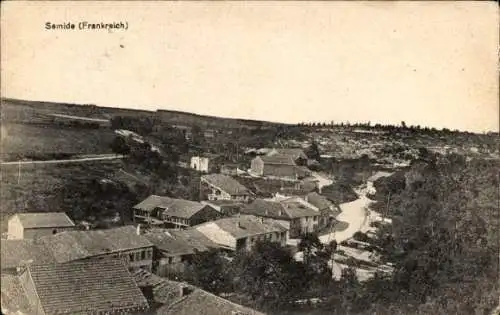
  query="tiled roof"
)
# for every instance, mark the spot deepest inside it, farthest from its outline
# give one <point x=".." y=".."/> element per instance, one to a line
<point x="226" y="183"/>
<point x="277" y="159"/>
<point x="279" y="209"/>
<point x="14" y="299"/>
<point x="180" y="242"/>
<point x="86" y="287"/>
<point x="74" y="245"/>
<point x="44" y="219"/>
<point x="180" y="208"/>
<point x="201" y="302"/>
<point x="194" y="302"/>
<point x="321" y="202"/>
<point x="244" y="226"/>
<point x="15" y="253"/>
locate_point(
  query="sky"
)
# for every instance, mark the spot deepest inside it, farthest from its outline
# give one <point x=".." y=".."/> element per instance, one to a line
<point x="426" y="63"/>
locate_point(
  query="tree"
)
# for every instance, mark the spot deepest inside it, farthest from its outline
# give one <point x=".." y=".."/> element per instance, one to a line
<point x="269" y="275"/>
<point x="209" y="271"/>
<point x="312" y="152"/>
<point x="119" y="145"/>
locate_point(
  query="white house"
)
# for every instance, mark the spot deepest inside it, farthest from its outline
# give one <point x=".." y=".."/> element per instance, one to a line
<point x="34" y="225"/>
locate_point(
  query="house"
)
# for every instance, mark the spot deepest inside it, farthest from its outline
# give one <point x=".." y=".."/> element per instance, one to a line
<point x="18" y="253"/>
<point x="329" y="210"/>
<point x="84" y="287"/>
<point x="241" y="232"/>
<point x="33" y="225"/>
<point x="223" y="187"/>
<point x="206" y="163"/>
<point x="174" y="249"/>
<point x="301" y="215"/>
<point x="296" y="154"/>
<point x="278" y="166"/>
<point x="225" y="207"/>
<point x="171" y="212"/>
<point x="175" y="297"/>
<point x="124" y="242"/>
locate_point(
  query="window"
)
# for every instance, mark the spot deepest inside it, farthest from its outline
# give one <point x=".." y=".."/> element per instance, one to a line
<point x="170" y="259"/>
<point x="131" y="257"/>
<point x="143" y="255"/>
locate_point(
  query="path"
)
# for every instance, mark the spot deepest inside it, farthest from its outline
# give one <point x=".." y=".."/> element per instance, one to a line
<point x="97" y="157"/>
<point x="354" y="213"/>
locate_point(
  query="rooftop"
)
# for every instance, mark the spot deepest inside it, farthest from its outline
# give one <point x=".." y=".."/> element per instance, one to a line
<point x="75" y="245"/>
<point x="86" y="287"/>
<point x="285" y="209"/>
<point x="226" y="183"/>
<point x="180" y="208"/>
<point x="180" y="242"/>
<point x="244" y="226"/>
<point x="193" y="302"/>
<point x="277" y="159"/>
<point x="295" y="153"/>
<point x="15" y="253"/>
<point x="44" y="220"/>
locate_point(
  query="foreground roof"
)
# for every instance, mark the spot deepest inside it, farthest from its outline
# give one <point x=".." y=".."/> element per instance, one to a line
<point x="194" y="301"/>
<point x="173" y="207"/>
<point x="44" y="220"/>
<point x="226" y="183"/>
<point x="86" y="287"/>
<point x="243" y="226"/>
<point x="16" y="253"/>
<point x="180" y="242"/>
<point x="74" y="245"/>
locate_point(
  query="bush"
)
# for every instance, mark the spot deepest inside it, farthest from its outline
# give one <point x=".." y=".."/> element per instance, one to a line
<point x="360" y="236"/>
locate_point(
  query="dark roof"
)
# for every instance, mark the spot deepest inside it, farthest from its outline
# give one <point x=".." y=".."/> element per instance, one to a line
<point x="195" y="301"/>
<point x="86" y="287"/>
<point x="180" y="242"/>
<point x="180" y="208"/>
<point x="15" y="253"/>
<point x="201" y="302"/>
<point x="279" y="209"/>
<point x="277" y="159"/>
<point x="243" y="226"/>
<point x="321" y="202"/>
<point x="226" y="183"/>
<point x="14" y="298"/>
<point x="74" y="245"/>
<point x="44" y="220"/>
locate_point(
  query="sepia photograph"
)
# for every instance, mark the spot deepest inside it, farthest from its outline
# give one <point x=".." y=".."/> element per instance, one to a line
<point x="250" y="158"/>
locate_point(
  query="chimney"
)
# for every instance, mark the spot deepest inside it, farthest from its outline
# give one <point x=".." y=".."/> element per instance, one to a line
<point x="138" y="230"/>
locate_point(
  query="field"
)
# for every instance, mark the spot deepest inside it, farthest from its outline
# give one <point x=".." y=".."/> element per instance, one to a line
<point x="37" y="188"/>
<point x="36" y="141"/>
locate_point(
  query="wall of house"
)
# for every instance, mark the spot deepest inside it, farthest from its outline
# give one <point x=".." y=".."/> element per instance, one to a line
<point x="169" y="266"/>
<point x="38" y="232"/>
<point x="275" y="170"/>
<point x="206" y="214"/>
<point x="257" y="166"/>
<point x="14" y="229"/>
<point x="136" y="258"/>
<point x="299" y="226"/>
<point x="279" y="237"/>
<point x="200" y="163"/>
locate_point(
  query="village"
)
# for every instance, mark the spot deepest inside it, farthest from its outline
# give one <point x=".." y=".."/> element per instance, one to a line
<point x="306" y="195"/>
